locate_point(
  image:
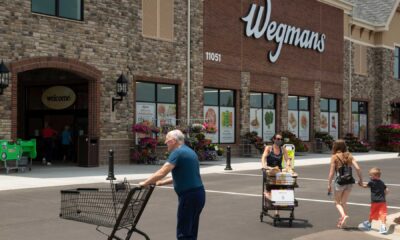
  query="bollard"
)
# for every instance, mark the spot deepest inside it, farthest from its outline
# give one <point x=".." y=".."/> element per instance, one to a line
<point x="111" y="165"/>
<point x="228" y="158"/>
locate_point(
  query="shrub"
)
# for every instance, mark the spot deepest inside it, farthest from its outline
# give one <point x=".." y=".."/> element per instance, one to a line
<point x="326" y="138"/>
<point x="291" y="138"/>
<point x="354" y="144"/>
<point x="388" y="138"/>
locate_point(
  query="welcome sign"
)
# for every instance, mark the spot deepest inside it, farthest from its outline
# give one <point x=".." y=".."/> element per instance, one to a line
<point x="281" y="33"/>
<point x="58" y="97"/>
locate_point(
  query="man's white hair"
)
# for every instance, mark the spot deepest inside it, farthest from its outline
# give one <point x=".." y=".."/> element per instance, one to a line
<point x="177" y="135"/>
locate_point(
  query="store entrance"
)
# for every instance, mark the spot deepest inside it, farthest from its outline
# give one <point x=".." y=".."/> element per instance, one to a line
<point x="57" y="98"/>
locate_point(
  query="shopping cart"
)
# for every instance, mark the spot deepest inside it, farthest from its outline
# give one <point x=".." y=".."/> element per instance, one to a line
<point x="278" y="194"/>
<point x="118" y="207"/>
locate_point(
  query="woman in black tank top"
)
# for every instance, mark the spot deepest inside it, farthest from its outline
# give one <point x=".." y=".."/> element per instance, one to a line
<point x="272" y="156"/>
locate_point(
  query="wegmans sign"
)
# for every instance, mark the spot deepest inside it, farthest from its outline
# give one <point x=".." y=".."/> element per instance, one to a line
<point x="258" y="24"/>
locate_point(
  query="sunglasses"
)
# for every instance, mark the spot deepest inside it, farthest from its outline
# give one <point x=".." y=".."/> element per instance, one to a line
<point x="278" y="138"/>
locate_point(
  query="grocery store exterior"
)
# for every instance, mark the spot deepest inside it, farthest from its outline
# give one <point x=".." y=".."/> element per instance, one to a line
<point x="262" y="66"/>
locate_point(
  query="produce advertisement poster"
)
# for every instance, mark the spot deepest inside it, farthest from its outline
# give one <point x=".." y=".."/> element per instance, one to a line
<point x="363" y="126"/>
<point x="293" y="122"/>
<point x="227" y="125"/>
<point x="269" y="124"/>
<point x="304" y="133"/>
<point x="355" y="124"/>
<point x="256" y="121"/>
<point x="211" y="117"/>
<point x="324" y="122"/>
<point x="145" y="112"/>
<point x="166" y="114"/>
<point x="333" y="125"/>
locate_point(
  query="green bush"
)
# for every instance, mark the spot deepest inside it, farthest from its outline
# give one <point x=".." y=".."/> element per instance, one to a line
<point x="388" y="138"/>
<point x="299" y="145"/>
<point x="326" y="138"/>
<point x="354" y="144"/>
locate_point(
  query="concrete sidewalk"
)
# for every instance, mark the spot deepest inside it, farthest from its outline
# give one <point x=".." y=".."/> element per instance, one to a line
<point x="49" y="176"/>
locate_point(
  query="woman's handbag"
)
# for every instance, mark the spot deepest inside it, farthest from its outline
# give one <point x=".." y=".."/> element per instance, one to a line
<point x="345" y="175"/>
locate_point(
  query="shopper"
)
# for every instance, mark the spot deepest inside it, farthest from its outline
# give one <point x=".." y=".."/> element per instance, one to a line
<point x="273" y="155"/>
<point x="342" y="159"/>
<point x="66" y="143"/>
<point x="379" y="191"/>
<point x="184" y="165"/>
<point x="48" y="135"/>
<point x="272" y="158"/>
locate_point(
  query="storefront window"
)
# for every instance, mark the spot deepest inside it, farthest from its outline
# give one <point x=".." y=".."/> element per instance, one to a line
<point x="396" y="63"/>
<point x="71" y="9"/>
<point x="360" y="119"/>
<point x="299" y="117"/>
<point x="156" y="103"/>
<point x="262" y="115"/>
<point x="219" y="110"/>
<point x="329" y="117"/>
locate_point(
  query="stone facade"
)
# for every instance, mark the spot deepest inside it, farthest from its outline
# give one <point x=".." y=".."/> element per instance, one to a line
<point x="378" y="87"/>
<point x="110" y="40"/>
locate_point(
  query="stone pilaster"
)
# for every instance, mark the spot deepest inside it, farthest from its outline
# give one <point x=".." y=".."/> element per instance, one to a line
<point x="284" y="96"/>
<point x="245" y="103"/>
<point x="316" y="107"/>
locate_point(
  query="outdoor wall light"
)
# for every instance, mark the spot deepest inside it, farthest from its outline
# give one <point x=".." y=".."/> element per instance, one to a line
<point x="4" y="77"/>
<point x="122" y="90"/>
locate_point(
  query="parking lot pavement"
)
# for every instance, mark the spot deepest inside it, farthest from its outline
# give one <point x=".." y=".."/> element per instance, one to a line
<point x="232" y="209"/>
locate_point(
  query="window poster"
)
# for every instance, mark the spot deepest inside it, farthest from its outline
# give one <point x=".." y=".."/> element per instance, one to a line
<point x="166" y="114"/>
<point x="363" y="127"/>
<point x="227" y="125"/>
<point x="304" y="126"/>
<point x="355" y="124"/>
<point x="256" y="121"/>
<point x="324" y="122"/>
<point x="145" y="112"/>
<point x="333" y="125"/>
<point x="211" y="117"/>
<point x="269" y="124"/>
<point x="293" y="122"/>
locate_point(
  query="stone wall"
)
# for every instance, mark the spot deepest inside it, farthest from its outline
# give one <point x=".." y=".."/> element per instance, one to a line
<point x="110" y="40"/>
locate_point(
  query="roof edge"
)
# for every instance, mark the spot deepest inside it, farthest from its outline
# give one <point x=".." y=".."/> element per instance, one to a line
<point x="389" y="20"/>
<point x="345" y="6"/>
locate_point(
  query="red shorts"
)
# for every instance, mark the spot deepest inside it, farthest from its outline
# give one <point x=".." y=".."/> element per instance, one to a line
<point x="378" y="211"/>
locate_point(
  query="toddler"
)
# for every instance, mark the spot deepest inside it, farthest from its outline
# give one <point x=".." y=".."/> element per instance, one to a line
<point x="378" y="201"/>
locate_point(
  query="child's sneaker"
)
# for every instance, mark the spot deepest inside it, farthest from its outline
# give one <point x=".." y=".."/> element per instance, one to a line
<point x="383" y="229"/>
<point x="367" y="225"/>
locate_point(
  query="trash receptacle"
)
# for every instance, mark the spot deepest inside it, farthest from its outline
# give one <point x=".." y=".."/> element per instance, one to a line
<point x="88" y="151"/>
<point x="319" y="145"/>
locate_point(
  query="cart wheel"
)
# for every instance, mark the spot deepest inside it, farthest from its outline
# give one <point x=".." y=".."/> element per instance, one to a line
<point x="261" y="217"/>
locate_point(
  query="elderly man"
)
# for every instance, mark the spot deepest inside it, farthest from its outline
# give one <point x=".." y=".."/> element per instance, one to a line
<point x="184" y="164"/>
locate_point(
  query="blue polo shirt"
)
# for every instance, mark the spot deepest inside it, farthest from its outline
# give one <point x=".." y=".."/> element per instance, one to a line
<point x="186" y="173"/>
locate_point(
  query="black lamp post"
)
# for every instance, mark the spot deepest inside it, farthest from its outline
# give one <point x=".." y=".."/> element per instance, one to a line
<point x="4" y="76"/>
<point x="122" y="90"/>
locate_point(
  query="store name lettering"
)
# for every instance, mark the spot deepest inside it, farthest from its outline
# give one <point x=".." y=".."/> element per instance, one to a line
<point x="279" y="32"/>
<point x="55" y="98"/>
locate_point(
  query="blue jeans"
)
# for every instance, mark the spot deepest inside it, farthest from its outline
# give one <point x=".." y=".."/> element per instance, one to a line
<point x="191" y="203"/>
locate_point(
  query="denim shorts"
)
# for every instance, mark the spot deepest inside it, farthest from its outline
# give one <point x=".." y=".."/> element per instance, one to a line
<point x="339" y="188"/>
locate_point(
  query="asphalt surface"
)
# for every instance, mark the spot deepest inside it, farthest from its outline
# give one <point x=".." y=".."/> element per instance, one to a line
<point x="232" y="209"/>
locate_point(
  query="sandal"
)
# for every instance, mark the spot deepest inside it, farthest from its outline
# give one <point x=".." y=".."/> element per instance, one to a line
<point x="343" y="221"/>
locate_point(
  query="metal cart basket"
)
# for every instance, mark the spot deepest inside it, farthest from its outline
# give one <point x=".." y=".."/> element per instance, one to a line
<point x="118" y="207"/>
<point x="281" y="188"/>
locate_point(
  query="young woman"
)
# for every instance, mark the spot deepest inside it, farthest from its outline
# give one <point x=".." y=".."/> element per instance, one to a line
<point x="340" y="157"/>
<point x="272" y="156"/>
